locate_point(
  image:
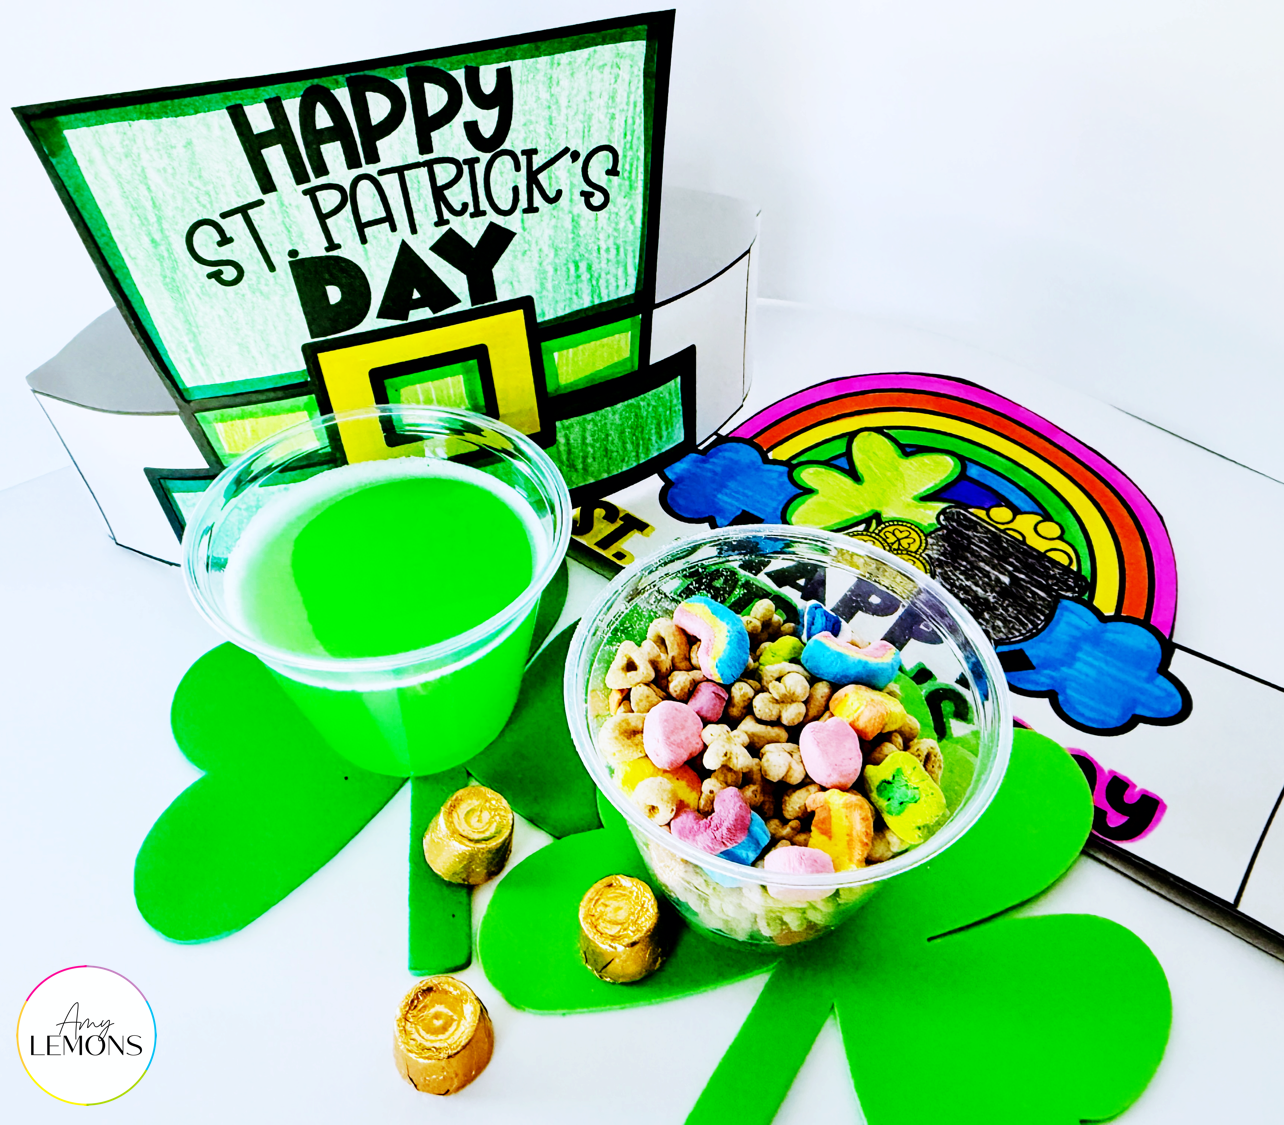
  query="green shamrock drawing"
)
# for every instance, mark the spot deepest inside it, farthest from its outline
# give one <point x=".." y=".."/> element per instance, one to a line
<point x="886" y="483"/>
<point x="952" y="1009"/>
<point x="276" y="804"/>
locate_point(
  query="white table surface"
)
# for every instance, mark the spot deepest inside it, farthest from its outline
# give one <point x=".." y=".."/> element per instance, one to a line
<point x="291" y="1018"/>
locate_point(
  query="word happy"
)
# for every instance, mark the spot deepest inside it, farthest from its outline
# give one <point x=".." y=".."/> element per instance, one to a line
<point x="335" y="292"/>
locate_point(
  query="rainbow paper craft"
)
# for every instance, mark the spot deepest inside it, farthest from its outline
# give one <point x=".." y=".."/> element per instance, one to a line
<point x="1119" y="538"/>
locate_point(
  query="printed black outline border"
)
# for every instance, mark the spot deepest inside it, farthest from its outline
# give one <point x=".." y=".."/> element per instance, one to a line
<point x="475" y="353"/>
<point x="549" y="331"/>
<point x="669" y="485"/>
<point x="1110" y="489"/>
<point x="239" y="402"/>
<point x="681" y="365"/>
<point x="1257" y="849"/>
<point x="969" y="383"/>
<point x="76" y="464"/>
<point x="657" y="67"/>
<point x="1270" y="820"/>
<point x="155" y="477"/>
<point x="721" y="439"/>
<point x="658" y="22"/>
<point x="1229" y="667"/>
<point x="856" y="414"/>
<point x="1166" y="650"/>
<point x="314" y="349"/>
<point x="658" y="38"/>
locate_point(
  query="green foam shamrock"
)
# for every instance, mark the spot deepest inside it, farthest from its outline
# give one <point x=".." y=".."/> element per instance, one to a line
<point x="886" y="483"/>
<point x="276" y="804"/>
<point x="951" y="1010"/>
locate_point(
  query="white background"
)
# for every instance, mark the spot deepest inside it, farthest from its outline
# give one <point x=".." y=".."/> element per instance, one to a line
<point x="1091" y="190"/>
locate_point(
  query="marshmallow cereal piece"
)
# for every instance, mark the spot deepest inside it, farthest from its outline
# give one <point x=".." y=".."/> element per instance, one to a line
<point x="685" y="781"/>
<point x="869" y="712"/>
<point x="798" y="861"/>
<point x="708" y="701"/>
<point x="831" y="753"/>
<point x="843" y="828"/>
<point x="817" y="619"/>
<point x="727" y="826"/>
<point x="828" y="658"/>
<point x="723" y="652"/>
<point x="912" y="803"/>
<point x="671" y="736"/>
<point x="750" y="848"/>
<point x="783" y="650"/>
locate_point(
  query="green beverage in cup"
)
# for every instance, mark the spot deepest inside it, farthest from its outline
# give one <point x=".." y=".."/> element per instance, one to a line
<point x="393" y="597"/>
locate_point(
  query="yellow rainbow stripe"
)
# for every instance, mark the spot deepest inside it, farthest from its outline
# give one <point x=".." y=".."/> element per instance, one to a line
<point x="1107" y="584"/>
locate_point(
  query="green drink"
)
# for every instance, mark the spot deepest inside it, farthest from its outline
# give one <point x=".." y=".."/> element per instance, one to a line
<point x="392" y="598"/>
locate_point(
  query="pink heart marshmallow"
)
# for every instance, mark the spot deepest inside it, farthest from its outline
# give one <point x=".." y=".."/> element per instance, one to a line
<point x="708" y="700"/>
<point x="726" y="826"/>
<point x="798" y="861"/>
<point x="671" y="734"/>
<point x="831" y="753"/>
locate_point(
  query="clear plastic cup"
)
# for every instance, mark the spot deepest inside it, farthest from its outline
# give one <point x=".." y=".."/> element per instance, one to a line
<point x="407" y="713"/>
<point x="729" y="900"/>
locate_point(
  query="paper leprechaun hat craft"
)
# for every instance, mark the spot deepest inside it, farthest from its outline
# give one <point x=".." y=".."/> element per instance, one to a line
<point x="478" y="226"/>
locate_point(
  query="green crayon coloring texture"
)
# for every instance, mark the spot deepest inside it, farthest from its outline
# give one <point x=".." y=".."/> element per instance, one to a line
<point x="383" y="558"/>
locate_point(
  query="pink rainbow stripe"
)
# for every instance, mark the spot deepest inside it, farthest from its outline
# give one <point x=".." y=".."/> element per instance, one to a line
<point x="1164" y="609"/>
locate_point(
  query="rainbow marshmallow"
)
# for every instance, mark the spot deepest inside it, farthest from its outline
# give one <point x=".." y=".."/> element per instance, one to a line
<point x="828" y="658"/>
<point x="723" y="652"/>
<point x="869" y="712"/>
<point x="843" y="828"/>
<point x="686" y="782"/>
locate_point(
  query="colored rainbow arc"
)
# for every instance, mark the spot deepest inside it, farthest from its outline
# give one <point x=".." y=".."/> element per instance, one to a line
<point x="1121" y="539"/>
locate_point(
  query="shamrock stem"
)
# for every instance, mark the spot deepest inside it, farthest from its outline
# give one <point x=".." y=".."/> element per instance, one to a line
<point x="440" y="913"/>
<point x="727" y="1096"/>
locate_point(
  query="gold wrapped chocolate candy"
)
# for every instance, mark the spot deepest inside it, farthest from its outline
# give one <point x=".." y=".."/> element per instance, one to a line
<point x="469" y="840"/>
<point x="619" y="920"/>
<point x="444" y="1036"/>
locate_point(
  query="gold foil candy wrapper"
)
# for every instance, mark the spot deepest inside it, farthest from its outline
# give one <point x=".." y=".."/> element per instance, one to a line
<point x="469" y="840"/>
<point x="444" y="1036"/>
<point x="619" y="929"/>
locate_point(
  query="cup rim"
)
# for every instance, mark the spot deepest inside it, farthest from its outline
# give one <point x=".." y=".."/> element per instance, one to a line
<point x="196" y="535"/>
<point x="575" y="694"/>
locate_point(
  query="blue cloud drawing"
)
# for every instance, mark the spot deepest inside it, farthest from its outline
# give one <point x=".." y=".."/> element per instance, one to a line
<point x="720" y="483"/>
<point x="1104" y="675"/>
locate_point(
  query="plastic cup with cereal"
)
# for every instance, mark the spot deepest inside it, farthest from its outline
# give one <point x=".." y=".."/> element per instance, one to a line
<point x="786" y="718"/>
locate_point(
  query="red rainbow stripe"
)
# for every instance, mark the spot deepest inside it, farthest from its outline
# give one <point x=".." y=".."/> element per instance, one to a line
<point x="1149" y="570"/>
